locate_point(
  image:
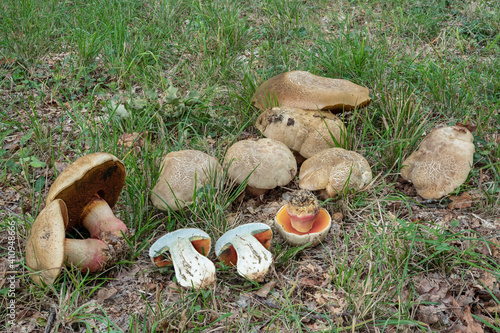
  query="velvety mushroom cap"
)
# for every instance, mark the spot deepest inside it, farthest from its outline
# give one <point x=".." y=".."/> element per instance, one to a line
<point x="315" y="235"/>
<point x="306" y="132"/>
<point x="333" y="170"/>
<point x="182" y="172"/>
<point x="97" y="173"/>
<point x="268" y="162"/>
<point x="442" y="163"/>
<point x="45" y="246"/>
<point x="307" y="91"/>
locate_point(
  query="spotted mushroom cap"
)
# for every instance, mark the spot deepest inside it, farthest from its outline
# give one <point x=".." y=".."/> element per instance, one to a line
<point x="442" y="162"/>
<point x="307" y="91"/>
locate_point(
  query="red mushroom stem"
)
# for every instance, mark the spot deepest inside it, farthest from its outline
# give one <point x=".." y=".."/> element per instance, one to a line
<point x="89" y="255"/>
<point x="99" y="220"/>
<point x="303" y="209"/>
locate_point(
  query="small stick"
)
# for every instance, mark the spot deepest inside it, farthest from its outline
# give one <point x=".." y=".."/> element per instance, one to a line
<point x="51" y="319"/>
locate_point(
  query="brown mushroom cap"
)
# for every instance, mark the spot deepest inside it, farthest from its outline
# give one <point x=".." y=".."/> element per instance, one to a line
<point x="306" y="132"/>
<point x="45" y="246"/>
<point x="331" y="169"/>
<point x="442" y="162"/>
<point x="268" y="162"/>
<point x="183" y="172"/>
<point x="307" y="91"/>
<point x="315" y="235"/>
<point x="97" y="173"/>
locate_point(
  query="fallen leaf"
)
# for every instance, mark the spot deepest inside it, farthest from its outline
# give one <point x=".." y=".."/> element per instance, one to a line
<point x="132" y="139"/>
<point x="488" y="279"/>
<point x="106" y="293"/>
<point x="472" y="325"/>
<point x="460" y="201"/>
<point x="266" y="289"/>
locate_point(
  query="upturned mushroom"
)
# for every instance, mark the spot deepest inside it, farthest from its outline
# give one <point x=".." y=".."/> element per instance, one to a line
<point x="265" y="164"/>
<point x="186" y="249"/>
<point x="182" y="172"/>
<point x="90" y="187"/>
<point x="442" y="162"/>
<point x="247" y="247"/>
<point x="48" y="249"/>
<point x="306" y="132"/>
<point x="333" y="170"/>
<point x="302" y="221"/>
<point x="307" y="91"/>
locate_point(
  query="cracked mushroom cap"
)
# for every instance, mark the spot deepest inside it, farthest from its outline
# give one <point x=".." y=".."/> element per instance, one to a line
<point x="333" y="170"/>
<point x="97" y="173"/>
<point x="306" y="132"/>
<point x="267" y="163"/>
<point x="307" y="91"/>
<point x="182" y="172"/>
<point x="442" y="162"/>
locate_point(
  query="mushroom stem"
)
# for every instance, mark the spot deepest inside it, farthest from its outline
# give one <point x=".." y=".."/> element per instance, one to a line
<point x="191" y="268"/>
<point x="253" y="258"/>
<point x="256" y="192"/>
<point x="303" y="209"/>
<point x="98" y="219"/>
<point x="89" y="255"/>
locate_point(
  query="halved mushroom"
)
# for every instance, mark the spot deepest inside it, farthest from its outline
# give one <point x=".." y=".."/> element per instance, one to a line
<point x="90" y="187"/>
<point x="247" y="247"/>
<point x="48" y="249"/>
<point x="266" y="163"/>
<point x="442" y="163"/>
<point x="307" y="91"/>
<point x="187" y="250"/>
<point x="306" y="132"/>
<point x="182" y="172"/>
<point x="333" y="170"/>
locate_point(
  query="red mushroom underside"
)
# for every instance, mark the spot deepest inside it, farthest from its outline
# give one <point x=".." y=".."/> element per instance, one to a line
<point x="229" y="255"/>
<point x="201" y="245"/>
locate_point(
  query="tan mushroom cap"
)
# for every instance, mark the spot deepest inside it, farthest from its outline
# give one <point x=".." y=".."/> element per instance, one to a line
<point x="97" y="173"/>
<point x="442" y="162"/>
<point x="268" y="162"/>
<point x="45" y="246"/>
<point x="181" y="173"/>
<point x="306" y="132"/>
<point x="307" y="91"/>
<point x="331" y="169"/>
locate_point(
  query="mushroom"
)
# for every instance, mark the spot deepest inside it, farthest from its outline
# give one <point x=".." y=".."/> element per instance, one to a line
<point x="307" y="91"/>
<point x="306" y="132"/>
<point x="90" y="187"/>
<point x="333" y="170"/>
<point x="301" y="221"/>
<point x="48" y="249"/>
<point x="188" y="249"/>
<point x="247" y="247"/>
<point x="182" y="172"/>
<point x="265" y="164"/>
<point x="442" y="163"/>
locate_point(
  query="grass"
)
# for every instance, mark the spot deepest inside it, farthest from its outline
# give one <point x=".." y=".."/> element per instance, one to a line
<point x="76" y="76"/>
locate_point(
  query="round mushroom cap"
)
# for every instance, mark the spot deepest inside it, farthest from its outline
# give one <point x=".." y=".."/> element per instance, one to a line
<point x="442" y="162"/>
<point x="306" y="132"/>
<point x="97" y="173"/>
<point x="45" y="246"/>
<point x="182" y="172"/>
<point x="334" y="170"/>
<point x="199" y="239"/>
<point x="317" y="234"/>
<point x="307" y="91"/>
<point x="266" y="162"/>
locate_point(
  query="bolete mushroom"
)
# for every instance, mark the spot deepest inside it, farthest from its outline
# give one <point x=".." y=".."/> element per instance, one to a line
<point x="247" y="247"/>
<point x="307" y="91"/>
<point x="265" y="163"/>
<point x="90" y="187"/>
<point x="333" y="170"/>
<point x="182" y="172"/>
<point x="187" y="250"/>
<point x="48" y="249"/>
<point x="306" y="132"/>
<point x="442" y="162"/>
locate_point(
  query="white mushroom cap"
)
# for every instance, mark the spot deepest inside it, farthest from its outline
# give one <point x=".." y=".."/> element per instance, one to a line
<point x="307" y="91"/>
<point x="192" y="267"/>
<point x="246" y="247"/>
<point x="334" y="170"/>
<point x="267" y="163"/>
<point x="306" y="132"/>
<point x="442" y="163"/>
<point x="183" y="172"/>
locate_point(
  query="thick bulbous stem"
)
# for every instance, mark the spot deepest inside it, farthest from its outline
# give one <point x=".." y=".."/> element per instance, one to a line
<point x="254" y="259"/>
<point x="89" y="255"/>
<point x="98" y="218"/>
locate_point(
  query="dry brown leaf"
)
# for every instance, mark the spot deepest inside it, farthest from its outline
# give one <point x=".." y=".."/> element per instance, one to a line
<point x="266" y="289"/>
<point x="334" y="300"/>
<point x="460" y="201"/>
<point x="432" y="290"/>
<point x="472" y="325"/>
<point x="106" y="293"/>
<point x="132" y="139"/>
<point x="488" y="279"/>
